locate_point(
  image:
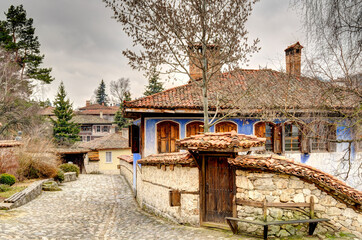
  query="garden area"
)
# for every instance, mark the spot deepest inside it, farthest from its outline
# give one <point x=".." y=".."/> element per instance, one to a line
<point x="33" y="160"/>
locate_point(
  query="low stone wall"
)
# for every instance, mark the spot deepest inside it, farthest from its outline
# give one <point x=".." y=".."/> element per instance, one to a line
<point x="255" y="186"/>
<point x="70" y="176"/>
<point x="25" y="196"/>
<point x="153" y="191"/>
<point x="126" y="170"/>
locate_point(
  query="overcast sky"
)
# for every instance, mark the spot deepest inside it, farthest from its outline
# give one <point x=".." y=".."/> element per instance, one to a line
<point x="83" y="44"/>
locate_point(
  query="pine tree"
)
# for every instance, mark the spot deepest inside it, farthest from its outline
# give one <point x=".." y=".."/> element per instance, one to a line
<point x="64" y="131"/>
<point x="101" y="96"/>
<point x="154" y="86"/>
<point x="17" y="34"/>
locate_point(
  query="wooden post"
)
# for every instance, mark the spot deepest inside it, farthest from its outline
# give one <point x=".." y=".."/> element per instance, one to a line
<point x="311" y="207"/>
<point x="265" y="213"/>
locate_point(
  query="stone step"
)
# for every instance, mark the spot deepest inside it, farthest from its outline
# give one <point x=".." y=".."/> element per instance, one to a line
<point x="5" y="206"/>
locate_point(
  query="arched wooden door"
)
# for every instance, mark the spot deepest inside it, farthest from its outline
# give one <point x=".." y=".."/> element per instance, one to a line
<point x="194" y="128"/>
<point x="167" y="134"/>
<point x="225" y="127"/>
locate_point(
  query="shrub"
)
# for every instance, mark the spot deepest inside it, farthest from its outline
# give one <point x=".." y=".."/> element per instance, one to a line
<point x="4" y="187"/>
<point x="34" y="165"/>
<point x="60" y="176"/>
<point x="7" y="179"/>
<point x="8" y="161"/>
<point x="69" y="167"/>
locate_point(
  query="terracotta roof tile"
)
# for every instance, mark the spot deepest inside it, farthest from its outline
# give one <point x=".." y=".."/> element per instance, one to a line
<point x="183" y="158"/>
<point x="324" y="181"/>
<point x="110" y="141"/>
<point x="227" y="141"/>
<point x="126" y="158"/>
<point x="255" y="90"/>
<point x="95" y="109"/>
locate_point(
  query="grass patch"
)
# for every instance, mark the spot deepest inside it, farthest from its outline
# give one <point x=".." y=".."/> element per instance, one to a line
<point x="12" y="191"/>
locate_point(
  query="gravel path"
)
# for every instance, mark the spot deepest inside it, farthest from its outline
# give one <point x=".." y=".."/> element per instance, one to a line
<point x="93" y="207"/>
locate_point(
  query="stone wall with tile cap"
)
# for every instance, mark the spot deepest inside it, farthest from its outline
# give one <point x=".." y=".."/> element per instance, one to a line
<point x="126" y="170"/>
<point x="154" y="185"/>
<point x="277" y="187"/>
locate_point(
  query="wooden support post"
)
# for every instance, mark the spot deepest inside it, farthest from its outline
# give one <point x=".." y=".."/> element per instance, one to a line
<point x="265" y="232"/>
<point x="311" y="207"/>
<point x="265" y="211"/>
<point x="312" y="227"/>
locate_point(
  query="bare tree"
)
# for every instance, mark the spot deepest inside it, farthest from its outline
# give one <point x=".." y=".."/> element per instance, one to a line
<point x="120" y="90"/>
<point x="176" y="36"/>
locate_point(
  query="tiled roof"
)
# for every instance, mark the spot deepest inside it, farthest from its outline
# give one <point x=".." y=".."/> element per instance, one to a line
<point x="183" y="158"/>
<point x="324" y="181"/>
<point x="95" y="109"/>
<point x="9" y="143"/>
<point x="227" y="141"/>
<point x="248" y="90"/>
<point x="48" y="111"/>
<point x="110" y="141"/>
<point x="90" y="119"/>
<point x="126" y="158"/>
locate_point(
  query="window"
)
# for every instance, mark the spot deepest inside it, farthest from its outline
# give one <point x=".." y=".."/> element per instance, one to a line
<point x="86" y="128"/>
<point x="265" y="130"/>
<point x="88" y="138"/>
<point x="108" y="157"/>
<point x="322" y="135"/>
<point x="105" y="128"/>
<point x="291" y="137"/>
<point x="134" y="138"/>
<point x="225" y="127"/>
<point x="194" y="128"/>
<point x="98" y="128"/>
<point x="167" y="134"/>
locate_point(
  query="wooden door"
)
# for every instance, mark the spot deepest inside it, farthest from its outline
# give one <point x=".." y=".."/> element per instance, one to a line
<point x="277" y="137"/>
<point x="226" y="127"/>
<point x="194" y="128"/>
<point x="219" y="189"/>
<point x="167" y="134"/>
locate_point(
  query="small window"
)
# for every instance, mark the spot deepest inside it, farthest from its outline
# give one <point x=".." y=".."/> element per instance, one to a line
<point x="167" y="134"/>
<point x="291" y="137"/>
<point x="88" y="138"/>
<point x="175" y="198"/>
<point x="105" y="129"/>
<point x="322" y="135"/>
<point x="226" y="127"/>
<point x="108" y="157"/>
<point x="194" y="128"/>
<point x="265" y="130"/>
<point x="98" y="129"/>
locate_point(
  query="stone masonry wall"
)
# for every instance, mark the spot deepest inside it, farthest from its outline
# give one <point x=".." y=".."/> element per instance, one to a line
<point x="126" y="170"/>
<point x="255" y="186"/>
<point x="154" y="185"/>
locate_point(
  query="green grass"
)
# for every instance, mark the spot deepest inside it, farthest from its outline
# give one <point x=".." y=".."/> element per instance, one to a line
<point x="12" y="191"/>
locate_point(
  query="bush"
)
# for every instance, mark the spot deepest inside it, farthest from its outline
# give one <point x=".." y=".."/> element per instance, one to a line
<point x="32" y="165"/>
<point x="69" y="167"/>
<point x="60" y="176"/>
<point x="7" y="179"/>
<point x="4" y="187"/>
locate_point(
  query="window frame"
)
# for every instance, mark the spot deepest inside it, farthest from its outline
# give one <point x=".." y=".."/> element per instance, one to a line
<point x="192" y="123"/>
<point x="109" y="157"/>
<point x="232" y="122"/>
<point x="291" y="138"/>
<point x="329" y="146"/>
<point x="169" y="140"/>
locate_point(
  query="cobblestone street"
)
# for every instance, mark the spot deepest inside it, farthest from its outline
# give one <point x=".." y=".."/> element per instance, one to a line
<point x="93" y="207"/>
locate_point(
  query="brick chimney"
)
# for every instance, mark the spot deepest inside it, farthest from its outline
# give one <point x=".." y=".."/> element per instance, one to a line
<point x="87" y="103"/>
<point x="293" y="57"/>
<point x="195" y="63"/>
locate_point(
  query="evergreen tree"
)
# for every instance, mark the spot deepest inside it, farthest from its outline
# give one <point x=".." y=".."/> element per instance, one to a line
<point x="154" y="86"/>
<point x="17" y="35"/>
<point x="64" y="131"/>
<point x="101" y="96"/>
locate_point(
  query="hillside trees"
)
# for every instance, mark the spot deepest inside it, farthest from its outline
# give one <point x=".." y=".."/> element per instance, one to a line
<point x="17" y="35"/>
<point x="64" y="130"/>
<point x="101" y="95"/>
<point x="175" y="34"/>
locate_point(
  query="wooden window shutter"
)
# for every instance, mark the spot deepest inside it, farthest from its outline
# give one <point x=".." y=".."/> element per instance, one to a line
<point x="260" y="129"/>
<point x="277" y="137"/>
<point x="175" y="198"/>
<point x="167" y="134"/>
<point x="194" y="128"/>
<point x="225" y="127"/>
<point x="332" y="135"/>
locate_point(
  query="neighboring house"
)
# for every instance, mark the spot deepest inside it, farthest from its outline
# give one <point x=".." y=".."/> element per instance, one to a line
<point x="176" y="113"/>
<point x="104" y="153"/>
<point x="94" y="120"/>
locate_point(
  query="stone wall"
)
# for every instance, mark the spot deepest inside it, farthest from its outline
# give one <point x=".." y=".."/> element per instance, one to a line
<point x="70" y="176"/>
<point x="255" y="186"/>
<point x="154" y="185"/>
<point x="91" y="166"/>
<point x="126" y="170"/>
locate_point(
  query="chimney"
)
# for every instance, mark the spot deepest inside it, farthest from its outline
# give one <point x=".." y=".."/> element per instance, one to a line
<point x="293" y="56"/>
<point x="87" y="103"/>
<point x="195" y="60"/>
<point x="101" y="114"/>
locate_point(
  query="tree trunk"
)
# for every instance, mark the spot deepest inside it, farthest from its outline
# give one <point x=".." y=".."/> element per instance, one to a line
<point x="204" y="70"/>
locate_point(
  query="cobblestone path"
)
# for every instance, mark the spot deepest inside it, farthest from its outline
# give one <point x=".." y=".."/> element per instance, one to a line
<point x="93" y="207"/>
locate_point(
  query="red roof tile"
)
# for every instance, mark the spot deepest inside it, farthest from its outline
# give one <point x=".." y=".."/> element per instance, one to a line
<point x="324" y="181"/>
<point x="248" y="90"/>
<point x="126" y="158"/>
<point x="227" y="141"/>
<point x="183" y="158"/>
<point x="95" y="109"/>
<point x="9" y="143"/>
